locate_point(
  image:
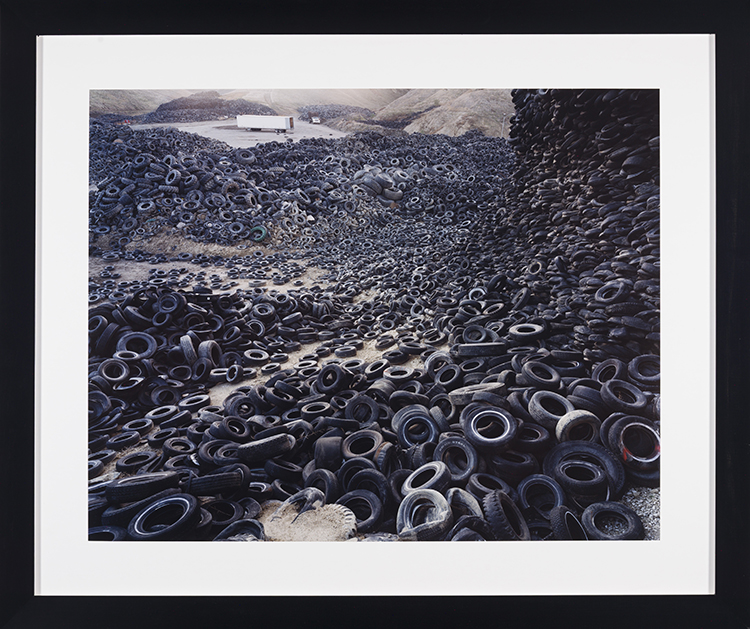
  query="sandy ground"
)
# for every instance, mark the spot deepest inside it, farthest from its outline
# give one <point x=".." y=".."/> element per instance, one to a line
<point x="227" y="131"/>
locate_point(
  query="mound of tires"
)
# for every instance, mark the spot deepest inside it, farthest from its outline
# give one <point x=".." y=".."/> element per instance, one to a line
<point x="326" y="112"/>
<point x="204" y="106"/>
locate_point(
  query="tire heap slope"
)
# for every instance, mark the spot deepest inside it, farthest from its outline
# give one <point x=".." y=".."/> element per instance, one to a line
<point x="509" y="290"/>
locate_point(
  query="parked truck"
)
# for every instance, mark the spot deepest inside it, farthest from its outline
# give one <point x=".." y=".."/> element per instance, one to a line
<point x="280" y="124"/>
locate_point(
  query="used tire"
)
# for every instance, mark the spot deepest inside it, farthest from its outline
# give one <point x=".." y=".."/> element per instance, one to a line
<point x="504" y="516"/>
<point x="595" y="516"/>
<point x="169" y="518"/>
<point x="423" y="514"/>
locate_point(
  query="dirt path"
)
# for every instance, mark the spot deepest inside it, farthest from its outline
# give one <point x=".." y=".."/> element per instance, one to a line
<point x="227" y="131"/>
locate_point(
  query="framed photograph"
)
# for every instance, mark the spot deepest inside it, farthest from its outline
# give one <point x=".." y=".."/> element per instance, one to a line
<point x="72" y="70"/>
<point x="72" y="75"/>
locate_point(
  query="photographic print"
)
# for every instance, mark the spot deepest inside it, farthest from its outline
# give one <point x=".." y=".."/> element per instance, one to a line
<point x="421" y="308"/>
<point x="374" y="314"/>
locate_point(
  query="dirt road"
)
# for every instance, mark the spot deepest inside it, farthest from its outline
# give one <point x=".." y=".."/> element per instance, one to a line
<point x="227" y="131"/>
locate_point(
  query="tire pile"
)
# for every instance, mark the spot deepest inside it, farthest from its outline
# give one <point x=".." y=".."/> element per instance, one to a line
<point x="305" y="193"/>
<point x="399" y="123"/>
<point x="516" y="306"/>
<point x="326" y="112"/>
<point x="204" y="106"/>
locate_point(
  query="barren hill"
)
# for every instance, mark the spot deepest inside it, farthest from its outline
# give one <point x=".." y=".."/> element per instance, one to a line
<point x="131" y="102"/>
<point x="452" y="112"/>
<point x="286" y="102"/>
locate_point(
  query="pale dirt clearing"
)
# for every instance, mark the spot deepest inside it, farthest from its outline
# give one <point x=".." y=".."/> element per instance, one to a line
<point x="228" y="131"/>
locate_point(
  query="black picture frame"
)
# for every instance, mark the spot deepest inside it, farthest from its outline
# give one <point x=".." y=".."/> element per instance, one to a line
<point x="22" y="21"/>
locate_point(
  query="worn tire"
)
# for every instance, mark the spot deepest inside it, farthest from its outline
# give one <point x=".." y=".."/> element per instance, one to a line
<point x="505" y="517"/>
<point x="423" y="514"/>
<point x="169" y="518"/>
<point x="592" y="515"/>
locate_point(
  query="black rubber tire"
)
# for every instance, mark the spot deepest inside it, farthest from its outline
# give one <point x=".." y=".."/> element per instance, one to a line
<point x="332" y="378"/>
<point x="283" y="490"/>
<point x="156" y="440"/>
<point x="592" y="452"/>
<point x="168" y="518"/>
<point x="327" y="482"/>
<point x="372" y="480"/>
<point x="565" y="525"/>
<point x="260" y="491"/>
<point x="591" y="521"/>
<point x="215" y="483"/>
<point x="546" y="408"/>
<point x="234" y="428"/>
<point x="327" y="453"/>
<point x="264" y="449"/>
<point x="540" y="529"/>
<point x="107" y="534"/>
<point x="636" y="443"/>
<point x="432" y="475"/>
<point x="223" y="513"/>
<point x="466" y="525"/>
<point x="142" y="426"/>
<point x="252" y="507"/>
<point x="424" y="514"/>
<point x="612" y="368"/>
<point x="640" y="478"/>
<point x="395" y="481"/>
<point x="284" y="470"/>
<point x="581" y="478"/>
<point x="466" y="534"/>
<point x="362" y="408"/>
<point x="505" y="517"/>
<point x="131" y="463"/>
<point x="362" y="443"/>
<point x="644" y="371"/>
<point x="123" y="440"/>
<point x="488" y="428"/>
<point x="176" y="446"/>
<point x="246" y="529"/>
<point x="421" y="454"/>
<point x="481" y="484"/>
<point x="366" y="506"/>
<point x="96" y="467"/>
<point x="534" y="439"/>
<point x="142" y="344"/>
<point x="513" y="466"/>
<point x="463" y="503"/>
<point x="623" y="397"/>
<point x="142" y="486"/>
<point x="121" y="515"/>
<point x="349" y="468"/>
<point x="105" y="456"/>
<point x="531" y="503"/>
<point x="460" y="456"/>
<point x="607" y="425"/>
<point x="387" y="458"/>
<point x="541" y="375"/>
<point x="578" y="425"/>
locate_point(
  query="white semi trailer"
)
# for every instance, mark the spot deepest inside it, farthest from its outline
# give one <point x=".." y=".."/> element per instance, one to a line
<point x="280" y="124"/>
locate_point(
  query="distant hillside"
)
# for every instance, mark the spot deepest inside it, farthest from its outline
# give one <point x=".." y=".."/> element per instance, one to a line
<point x="131" y="102"/>
<point x="452" y="112"/>
<point x="286" y="102"/>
